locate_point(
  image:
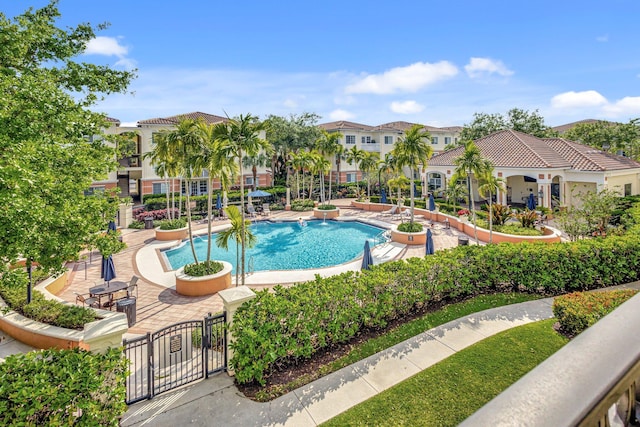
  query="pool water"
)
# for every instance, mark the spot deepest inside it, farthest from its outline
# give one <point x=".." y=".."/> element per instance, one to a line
<point x="286" y="246"/>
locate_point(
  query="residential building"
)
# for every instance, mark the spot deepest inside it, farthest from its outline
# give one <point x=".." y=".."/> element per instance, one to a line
<point x="555" y="170"/>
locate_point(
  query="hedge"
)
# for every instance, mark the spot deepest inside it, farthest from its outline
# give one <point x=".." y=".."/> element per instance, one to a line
<point x="63" y="387"/>
<point x="291" y="324"/>
<point x="578" y="311"/>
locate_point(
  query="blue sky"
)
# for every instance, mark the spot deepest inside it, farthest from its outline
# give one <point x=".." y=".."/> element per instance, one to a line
<point x="435" y="63"/>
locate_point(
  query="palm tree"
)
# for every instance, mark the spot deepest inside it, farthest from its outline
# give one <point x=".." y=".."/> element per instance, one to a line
<point x="369" y="164"/>
<point x="218" y="166"/>
<point x="470" y="162"/>
<point x="254" y="162"/>
<point x="239" y="231"/>
<point x="413" y="150"/>
<point x="320" y="165"/>
<point x="239" y="137"/>
<point x="163" y="159"/>
<point x="298" y="162"/>
<point x="386" y="165"/>
<point x="455" y="190"/>
<point x="355" y="155"/>
<point x="490" y="185"/>
<point x="329" y="145"/>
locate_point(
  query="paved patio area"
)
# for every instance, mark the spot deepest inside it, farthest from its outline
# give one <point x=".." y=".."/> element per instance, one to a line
<point x="158" y="304"/>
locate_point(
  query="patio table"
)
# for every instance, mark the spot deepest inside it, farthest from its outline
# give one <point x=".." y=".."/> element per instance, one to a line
<point x="107" y="290"/>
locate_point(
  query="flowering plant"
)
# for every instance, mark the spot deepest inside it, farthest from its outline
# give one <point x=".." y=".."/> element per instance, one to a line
<point x="463" y="212"/>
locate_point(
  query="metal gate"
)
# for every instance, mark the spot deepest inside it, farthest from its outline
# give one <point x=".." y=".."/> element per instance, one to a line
<point x="174" y="356"/>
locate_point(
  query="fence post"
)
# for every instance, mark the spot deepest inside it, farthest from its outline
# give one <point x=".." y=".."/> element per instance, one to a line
<point x="233" y="298"/>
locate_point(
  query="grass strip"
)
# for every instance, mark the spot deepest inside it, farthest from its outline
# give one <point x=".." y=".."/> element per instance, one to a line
<point x="453" y="389"/>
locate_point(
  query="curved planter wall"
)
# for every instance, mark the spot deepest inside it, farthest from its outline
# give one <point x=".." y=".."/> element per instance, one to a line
<point x="330" y="214"/>
<point x="419" y="238"/>
<point x="177" y="234"/>
<point x="206" y="285"/>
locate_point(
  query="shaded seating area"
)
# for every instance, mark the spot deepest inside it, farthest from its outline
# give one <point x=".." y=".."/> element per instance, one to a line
<point x="87" y="300"/>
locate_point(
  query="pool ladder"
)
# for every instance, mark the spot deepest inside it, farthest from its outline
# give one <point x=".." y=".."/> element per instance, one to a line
<point x="383" y="237"/>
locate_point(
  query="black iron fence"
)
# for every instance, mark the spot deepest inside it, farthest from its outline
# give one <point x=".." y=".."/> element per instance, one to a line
<point x="174" y="356"/>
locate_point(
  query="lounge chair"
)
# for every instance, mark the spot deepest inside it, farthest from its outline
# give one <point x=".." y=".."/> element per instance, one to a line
<point x="406" y="214"/>
<point x="133" y="287"/>
<point x="265" y="209"/>
<point x="252" y="211"/>
<point x="392" y="211"/>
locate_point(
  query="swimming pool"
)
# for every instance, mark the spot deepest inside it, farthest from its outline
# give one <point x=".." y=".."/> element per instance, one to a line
<point x="287" y="246"/>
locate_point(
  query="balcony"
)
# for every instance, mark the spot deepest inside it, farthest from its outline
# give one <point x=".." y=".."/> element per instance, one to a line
<point x="130" y="162"/>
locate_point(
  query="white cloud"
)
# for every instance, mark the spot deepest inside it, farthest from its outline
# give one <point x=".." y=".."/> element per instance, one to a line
<point x="588" y="98"/>
<point x="107" y="46"/>
<point x="406" y="107"/>
<point x="404" y="79"/>
<point x="480" y="67"/>
<point x="603" y="38"/>
<point x="341" y="115"/>
<point x="629" y="105"/>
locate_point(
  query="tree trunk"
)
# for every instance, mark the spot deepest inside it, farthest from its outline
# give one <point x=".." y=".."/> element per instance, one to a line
<point x="209" y="214"/>
<point x="330" y="186"/>
<point x="193" y="248"/>
<point x="411" y="187"/>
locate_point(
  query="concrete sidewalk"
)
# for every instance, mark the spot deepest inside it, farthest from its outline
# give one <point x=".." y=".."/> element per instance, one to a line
<point x="217" y="401"/>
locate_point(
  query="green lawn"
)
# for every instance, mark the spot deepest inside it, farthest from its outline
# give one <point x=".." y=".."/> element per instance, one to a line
<point x="450" y="391"/>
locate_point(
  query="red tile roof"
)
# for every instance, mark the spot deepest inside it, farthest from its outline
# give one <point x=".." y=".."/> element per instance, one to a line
<point x="344" y="125"/>
<point x="511" y="149"/>
<point x="566" y="127"/>
<point x="208" y="118"/>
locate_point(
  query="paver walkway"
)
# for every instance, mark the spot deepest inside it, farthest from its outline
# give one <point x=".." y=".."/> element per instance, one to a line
<point x="217" y="401"/>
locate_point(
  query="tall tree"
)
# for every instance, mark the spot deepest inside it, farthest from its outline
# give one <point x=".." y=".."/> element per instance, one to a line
<point x="319" y="165"/>
<point x="369" y="164"/>
<point x="329" y="145"/>
<point x="239" y="232"/>
<point x="354" y="156"/>
<point x="516" y="119"/>
<point x="254" y="162"/>
<point x="239" y="137"/>
<point x="489" y="185"/>
<point x="52" y="146"/>
<point x="468" y="164"/>
<point x="412" y="150"/>
<point x="608" y="136"/>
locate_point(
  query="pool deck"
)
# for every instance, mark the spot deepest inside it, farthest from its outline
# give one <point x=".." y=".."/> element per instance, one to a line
<point x="159" y="305"/>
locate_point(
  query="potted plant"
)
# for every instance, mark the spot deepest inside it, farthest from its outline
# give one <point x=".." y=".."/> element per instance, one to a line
<point x="463" y="215"/>
<point x="172" y="229"/>
<point x="326" y="211"/>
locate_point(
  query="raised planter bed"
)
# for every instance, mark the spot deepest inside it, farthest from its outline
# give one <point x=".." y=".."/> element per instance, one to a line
<point x="326" y="213"/>
<point x="205" y="285"/>
<point x="177" y="234"/>
<point x="418" y="238"/>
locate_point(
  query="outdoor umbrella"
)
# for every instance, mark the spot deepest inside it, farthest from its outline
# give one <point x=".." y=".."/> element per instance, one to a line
<point x="429" y="248"/>
<point x="258" y="193"/>
<point x="112" y="226"/>
<point x="415" y="190"/>
<point x="108" y="271"/>
<point x="367" y="259"/>
<point x="531" y="202"/>
<point x="383" y="196"/>
<point x="432" y="203"/>
<point x="218" y="204"/>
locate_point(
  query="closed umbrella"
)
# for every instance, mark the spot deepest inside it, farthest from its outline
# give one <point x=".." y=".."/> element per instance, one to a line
<point x="367" y="259"/>
<point x="429" y="248"/>
<point x="383" y="196"/>
<point x="531" y="202"/>
<point x="218" y="204"/>
<point x="432" y="203"/>
<point x="112" y="226"/>
<point x="108" y="271"/>
<point x="415" y="190"/>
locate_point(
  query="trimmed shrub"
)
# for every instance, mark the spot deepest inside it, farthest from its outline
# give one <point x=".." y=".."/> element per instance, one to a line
<point x="579" y="310"/>
<point x="203" y="269"/>
<point x="300" y="205"/>
<point x="63" y="387"/>
<point x="136" y="225"/>
<point x="291" y="324"/>
<point x="173" y="224"/>
<point x="326" y="207"/>
<point x="410" y="227"/>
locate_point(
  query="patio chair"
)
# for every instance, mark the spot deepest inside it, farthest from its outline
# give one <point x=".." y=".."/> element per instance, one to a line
<point x="87" y="300"/>
<point x="391" y="211"/>
<point x="265" y="209"/>
<point x="133" y="287"/>
<point x="252" y="211"/>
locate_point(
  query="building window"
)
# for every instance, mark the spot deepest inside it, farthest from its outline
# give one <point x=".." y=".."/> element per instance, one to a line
<point x="434" y="140"/>
<point x="248" y="180"/>
<point x="203" y="187"/>
<point x="351" y="177"/>
<point x="388" y="140"/>
<point x="362" y="140"/>
<point x="159" y="188"/>
<point x="627" y="189"/>
<point x="367" y="140"/>
<point x="350" y="139"/>
<point x="455" y="140"/>
<point x="447" y="140"/>
<point x="435" y="182"/>
<point x="194" y="188"/>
